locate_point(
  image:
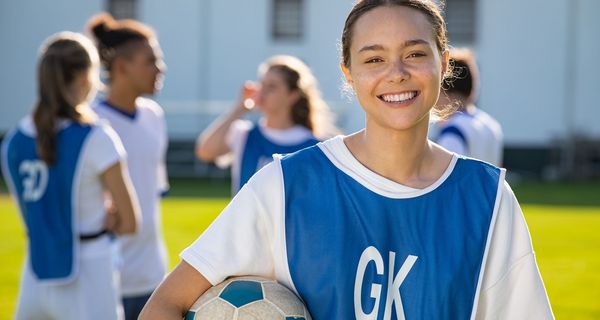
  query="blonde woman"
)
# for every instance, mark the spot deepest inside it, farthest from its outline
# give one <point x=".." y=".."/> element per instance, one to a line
<point x="293" y="117"/>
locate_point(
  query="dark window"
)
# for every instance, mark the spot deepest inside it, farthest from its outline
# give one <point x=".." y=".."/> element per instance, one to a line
<point x="461" y="22"/>
<point x="122" y="9"/>
<point x="288" y="19"/>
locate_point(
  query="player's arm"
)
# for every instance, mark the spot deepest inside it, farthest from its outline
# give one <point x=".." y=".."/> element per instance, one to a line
<point x="212" y="143"/>
<point x="176" y="294"/>
<point x="127" y="216"/>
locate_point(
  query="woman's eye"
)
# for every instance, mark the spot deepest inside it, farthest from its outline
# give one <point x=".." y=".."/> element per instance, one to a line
<point x="416" y="55"/>
<point x="374" y="60"/>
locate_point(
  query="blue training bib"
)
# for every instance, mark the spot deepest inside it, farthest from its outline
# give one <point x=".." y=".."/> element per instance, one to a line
<point x="258" y="151"/>
<point x="45" y="197"/>
<point x="353" y="253"/>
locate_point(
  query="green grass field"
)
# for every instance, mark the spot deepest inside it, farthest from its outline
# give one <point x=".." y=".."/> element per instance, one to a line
<point x="564" y="220"/>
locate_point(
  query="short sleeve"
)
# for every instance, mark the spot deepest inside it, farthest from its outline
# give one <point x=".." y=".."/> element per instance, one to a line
<point x="162" y="175"/>
<point x="235" y="140"/>
<point x="512" y="286"/>
<point x="241" y="239"/>
<point x="163" y="178"/>
<point x="237" y="131"/>
<point x="104" y="148"/>
<point x="452" y="142"/>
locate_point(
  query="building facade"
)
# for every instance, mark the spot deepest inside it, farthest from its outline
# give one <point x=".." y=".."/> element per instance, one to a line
<point x="537" y="58"/>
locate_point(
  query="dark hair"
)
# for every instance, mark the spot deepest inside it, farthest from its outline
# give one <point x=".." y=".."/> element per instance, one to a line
<point x="465" y="76"/>
<point x="113" y="38"/>
<point x="64" y="56"/>
<point x="310" y="111"/>
<point x="301" y="108"/>
<point x="431" y="10"/>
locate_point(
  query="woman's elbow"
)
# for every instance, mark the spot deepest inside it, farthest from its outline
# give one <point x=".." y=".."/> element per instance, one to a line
<point x="204" y="153"/>
<point x="131" y="228"/>
<point x="127" y="229"/>
<point x="130" y="225"/>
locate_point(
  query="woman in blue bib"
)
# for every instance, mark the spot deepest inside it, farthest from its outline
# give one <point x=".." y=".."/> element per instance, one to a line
<point x="382" y="223"/>
<point x="58" y="163"/>
<point x="293" y="117"/>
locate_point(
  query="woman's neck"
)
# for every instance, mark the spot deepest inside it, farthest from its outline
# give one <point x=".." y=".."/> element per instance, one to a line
<point x="403" y="156"/>
<point x="122" y="98"/>
<point x="278" y="121"/>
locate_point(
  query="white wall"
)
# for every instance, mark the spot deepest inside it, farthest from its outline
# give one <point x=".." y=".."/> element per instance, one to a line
<point x="212" y="47"/>
<point x="182" y="30"/>
<point x="24" y="25"/>
<point x="539" y="71"/>
<point x="586" y="63"/>
<point x="522" y="54"/>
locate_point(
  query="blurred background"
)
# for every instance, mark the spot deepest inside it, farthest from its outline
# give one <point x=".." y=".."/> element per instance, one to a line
<point x="538" y="62"/>
<point x="539" y="78"/>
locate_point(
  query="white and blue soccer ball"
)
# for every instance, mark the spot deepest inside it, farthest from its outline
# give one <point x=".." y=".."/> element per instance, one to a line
<point x="248" y="298"/>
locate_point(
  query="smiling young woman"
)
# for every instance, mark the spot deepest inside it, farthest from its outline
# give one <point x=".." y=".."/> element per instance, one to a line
<point x="375" y="225"/>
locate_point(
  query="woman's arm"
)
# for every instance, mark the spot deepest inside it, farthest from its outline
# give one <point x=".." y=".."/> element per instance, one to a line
<point x="212" y="142"/>
<point x="126" y="217"/>
<point x="176" y="294"/>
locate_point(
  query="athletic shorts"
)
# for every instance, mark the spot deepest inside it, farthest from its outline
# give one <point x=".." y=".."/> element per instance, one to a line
<point x="93" y="294"/>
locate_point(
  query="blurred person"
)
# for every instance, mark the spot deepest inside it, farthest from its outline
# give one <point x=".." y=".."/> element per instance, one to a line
<point x="132" y="58"/>
<point x="58" y="163"/>
<point x="293" y="117"/>
<point x="470" y="131"/>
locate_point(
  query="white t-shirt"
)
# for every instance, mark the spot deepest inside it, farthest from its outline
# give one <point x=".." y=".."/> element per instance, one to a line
<point x="144" y="258"/>
<point x="474" y="134"/>
<point x="236" y="141"/>
<point x="248" y="238"/>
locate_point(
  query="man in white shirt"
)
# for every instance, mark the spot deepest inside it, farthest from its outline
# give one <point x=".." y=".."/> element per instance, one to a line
<point x="130" y="52"/>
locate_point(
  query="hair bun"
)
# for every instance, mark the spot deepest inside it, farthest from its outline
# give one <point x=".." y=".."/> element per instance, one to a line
<point x="100" y="27"/>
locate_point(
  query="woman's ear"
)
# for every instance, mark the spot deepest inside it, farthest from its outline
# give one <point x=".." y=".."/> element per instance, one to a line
<point x="118" y="66"/>
<point x="346" y="72"/>
<point x="295" y="95"/>
<point x="445" y="62"/>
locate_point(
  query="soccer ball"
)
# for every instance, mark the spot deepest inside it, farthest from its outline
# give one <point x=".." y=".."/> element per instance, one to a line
<point x="248" y="298"/>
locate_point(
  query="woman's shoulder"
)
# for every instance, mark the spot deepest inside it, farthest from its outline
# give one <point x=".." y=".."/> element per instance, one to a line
<point x="148" y="105"/>
<point x="101" y="130"/>
<point x="467" y="166"/>
<point x="26" y="126"/>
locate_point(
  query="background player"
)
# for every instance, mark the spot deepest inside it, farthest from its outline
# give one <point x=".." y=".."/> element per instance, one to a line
<point x="371" y="225"/>
<point x="293" y="113"/>
<point x="130" y="52"/>
<point x="57" y="162"/>
<point x="470" y="131"/>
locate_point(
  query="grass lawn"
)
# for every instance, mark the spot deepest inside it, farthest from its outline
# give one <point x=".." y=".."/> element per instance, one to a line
<point x="564" y="220"/>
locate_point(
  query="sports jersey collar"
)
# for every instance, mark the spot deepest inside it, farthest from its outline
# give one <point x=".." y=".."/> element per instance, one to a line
<point x="338" y="153"/>
<point x="122" y="112"/>
<point x="27" y="126"/>
<point x="290" y="136"/>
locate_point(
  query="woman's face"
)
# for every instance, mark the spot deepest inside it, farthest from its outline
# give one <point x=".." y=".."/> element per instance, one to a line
<point x="395" y="67"/>
<point x="274" y="95"/>
<point x="145" y="67"/>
